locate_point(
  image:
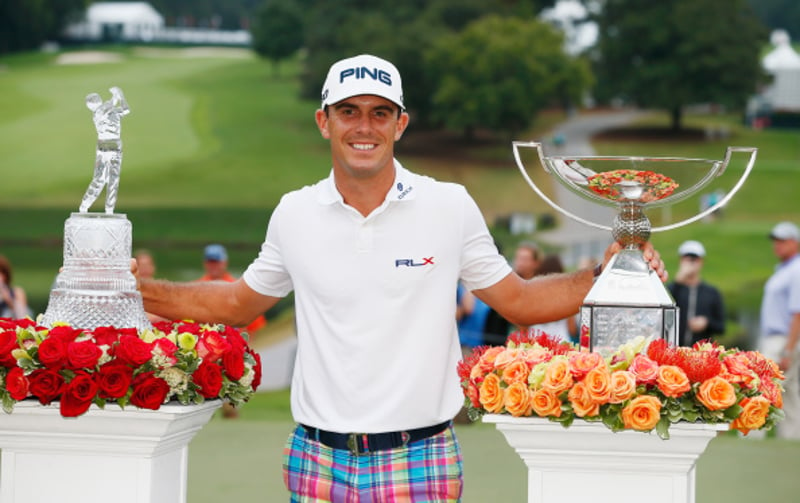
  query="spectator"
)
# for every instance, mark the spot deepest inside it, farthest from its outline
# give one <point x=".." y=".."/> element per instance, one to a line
<point x="375" y="386"/>
<point x="13" y="301"/>
<point x="527" y="257"/>
<point x="780" y="322"/>
<point x="702" y="311"/>
<point x="564" y="329"/>
<point x="147" y="269"/>
<point x="215" y="264"/>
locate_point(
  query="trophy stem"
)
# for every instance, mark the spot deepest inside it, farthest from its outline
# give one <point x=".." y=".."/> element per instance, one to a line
<point x="631" y="226"/>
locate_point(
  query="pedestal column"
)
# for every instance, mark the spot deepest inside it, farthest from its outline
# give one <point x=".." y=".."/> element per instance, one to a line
<point x="125" y="456"/>
<point x="589" y="462"/>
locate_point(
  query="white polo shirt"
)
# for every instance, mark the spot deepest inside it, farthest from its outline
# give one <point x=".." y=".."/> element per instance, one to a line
<point x="375" y="300"/>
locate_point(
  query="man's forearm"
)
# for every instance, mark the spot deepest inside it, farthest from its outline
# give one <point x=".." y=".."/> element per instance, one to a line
<point x="197" y="301"/>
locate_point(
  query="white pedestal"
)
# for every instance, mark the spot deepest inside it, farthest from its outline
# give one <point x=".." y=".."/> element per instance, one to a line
<point x="125" y="456"/>
<point x="589" y="462"/>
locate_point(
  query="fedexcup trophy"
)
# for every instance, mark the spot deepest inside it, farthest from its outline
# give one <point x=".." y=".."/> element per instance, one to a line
<point x="95" y="286"/>
<point x="628" y="299"/>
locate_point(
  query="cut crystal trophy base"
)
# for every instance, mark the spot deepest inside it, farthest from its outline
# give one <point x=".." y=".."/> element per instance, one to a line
<point x="95" y="287"/>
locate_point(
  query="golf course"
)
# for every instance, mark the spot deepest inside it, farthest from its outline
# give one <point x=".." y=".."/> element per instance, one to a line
<point x="215" y="137"/>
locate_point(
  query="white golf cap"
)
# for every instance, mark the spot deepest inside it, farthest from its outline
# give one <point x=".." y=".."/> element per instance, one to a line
<point x="692" y="248"/>
<point x="363" y="74"/>
<point x="785" y="230"/>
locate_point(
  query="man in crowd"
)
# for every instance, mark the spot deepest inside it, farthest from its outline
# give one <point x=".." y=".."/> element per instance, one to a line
<point x="702" y="311"/>
<point x="375" y="386"/>
<point x="780" y="321"/>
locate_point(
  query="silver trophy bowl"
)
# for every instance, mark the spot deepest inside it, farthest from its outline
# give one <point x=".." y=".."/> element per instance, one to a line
<point x="628" y="299"/>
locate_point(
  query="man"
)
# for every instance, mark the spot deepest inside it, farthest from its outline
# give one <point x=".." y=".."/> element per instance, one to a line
<point x="702" y="312"/>
<point x="215" y="264"/>
<point x="375" y="386"/>
<point x="527" y="257"/>
<point x="780" y="321"/>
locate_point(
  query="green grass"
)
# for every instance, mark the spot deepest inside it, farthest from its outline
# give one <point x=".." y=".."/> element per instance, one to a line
<point x="240" y="460"/>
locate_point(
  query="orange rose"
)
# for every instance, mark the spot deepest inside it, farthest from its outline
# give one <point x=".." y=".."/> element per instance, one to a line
<point x="486" y="362"/>
<point x="517" y="371"/>
<point x="753" y="416"/>
<point x="582" y="362"/>
<point x="623" y="386"/>
<point x="643" y="413"/>
<point x="537" y="355"/>
<point x="645" y="369"/>
<point x="598" y="384"/>
<point x="672" y="381"/>
<point x="582" y="403"/>
<point x="557" y="376"/>
<point x="546" y="403"/>
<point x="491" y="394"/>
<point x="507" y="357"/>
<point x="716" y="393"/>
<point x="517" y="399"/>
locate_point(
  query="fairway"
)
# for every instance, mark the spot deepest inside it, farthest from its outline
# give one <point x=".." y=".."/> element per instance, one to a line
<point x="240" y="461"/>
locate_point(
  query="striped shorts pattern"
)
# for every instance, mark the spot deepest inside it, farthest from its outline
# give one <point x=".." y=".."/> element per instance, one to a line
<point x="429" y="470"/>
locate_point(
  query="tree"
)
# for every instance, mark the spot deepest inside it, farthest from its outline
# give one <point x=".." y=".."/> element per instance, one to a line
<point x="779" y="14"/>
<point x="672" y="53"/>
<point x="278" y="30"/>
<point x="499" y="72"/>
<point x="25" y="24"/>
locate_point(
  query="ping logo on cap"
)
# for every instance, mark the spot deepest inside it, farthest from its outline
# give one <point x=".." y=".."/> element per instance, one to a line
<point x="363" y="72"/>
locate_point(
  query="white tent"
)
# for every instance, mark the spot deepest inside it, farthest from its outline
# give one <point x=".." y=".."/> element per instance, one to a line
<point x="123" y="21"/>
<point x="783" y="63"/>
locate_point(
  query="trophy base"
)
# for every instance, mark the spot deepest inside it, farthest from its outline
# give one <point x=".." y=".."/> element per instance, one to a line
<point x="627" y="301"/>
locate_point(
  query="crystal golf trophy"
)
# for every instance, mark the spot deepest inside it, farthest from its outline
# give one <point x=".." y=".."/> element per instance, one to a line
<point x="628" y="299"/>
<point x="95" y="286"/>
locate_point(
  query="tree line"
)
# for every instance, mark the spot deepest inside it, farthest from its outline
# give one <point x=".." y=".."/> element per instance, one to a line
<point x="493" y="64"/>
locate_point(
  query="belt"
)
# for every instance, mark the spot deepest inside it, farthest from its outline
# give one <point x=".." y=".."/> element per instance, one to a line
<point x="364" y="443"/>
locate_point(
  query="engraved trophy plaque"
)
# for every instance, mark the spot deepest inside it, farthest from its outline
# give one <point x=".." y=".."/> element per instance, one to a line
<point x="628" y="299"/>
<point x="95" y="286"/>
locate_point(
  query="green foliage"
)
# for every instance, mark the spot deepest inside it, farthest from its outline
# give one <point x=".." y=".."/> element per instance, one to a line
<point x="499" y="72"/>
<point x="25" y="24"/>
<point x="779" y="14"/>
<point x="278" y="30"/>
<point x="667" y="54"/>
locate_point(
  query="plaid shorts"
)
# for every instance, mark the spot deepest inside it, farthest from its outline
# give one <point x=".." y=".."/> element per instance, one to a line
<point x="429" y="470"/>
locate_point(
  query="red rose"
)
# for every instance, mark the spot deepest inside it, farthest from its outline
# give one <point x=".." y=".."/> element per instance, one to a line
<point x="78" y="395"/>
<point x="46" y="385"/>
<point x="233" y="363"/>
<point x="133" y="350"/>
<point x="17" y="384"/>
<point x="53" y="353"/>
<point x="167" y="348"/>
<point x="149" y="392"/>
<point x="256" y="369"/>
<point x="64" y="332"/>
<point x="235" y="337"/>
<point x="84" y="354"/>
<point x="8" y="343"/>
<point x="106" y="336"/>
<point x="208" y="377"/>
<point x="212" y="345"/>
<point x="114" y="378"/>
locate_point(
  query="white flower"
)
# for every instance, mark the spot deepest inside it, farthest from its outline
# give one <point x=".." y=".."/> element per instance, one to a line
<point x="176" y="378"/>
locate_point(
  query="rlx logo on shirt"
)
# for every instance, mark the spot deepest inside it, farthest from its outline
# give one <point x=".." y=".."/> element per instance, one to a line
<point x="410" y="262"/>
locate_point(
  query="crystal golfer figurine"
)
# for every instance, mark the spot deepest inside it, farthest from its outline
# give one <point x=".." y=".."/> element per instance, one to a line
<point x="107" y="117"/>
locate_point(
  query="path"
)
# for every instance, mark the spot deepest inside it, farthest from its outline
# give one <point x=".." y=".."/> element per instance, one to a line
<point x="277" y="343"/>
<point x="576" y="239"/>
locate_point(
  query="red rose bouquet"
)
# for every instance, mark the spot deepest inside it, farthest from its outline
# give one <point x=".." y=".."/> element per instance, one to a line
<point x="182" y="361"/>
<point x="640" y="387"/>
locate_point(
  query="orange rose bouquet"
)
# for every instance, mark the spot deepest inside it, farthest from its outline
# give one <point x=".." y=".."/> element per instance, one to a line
<point x="640" y="386"/>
